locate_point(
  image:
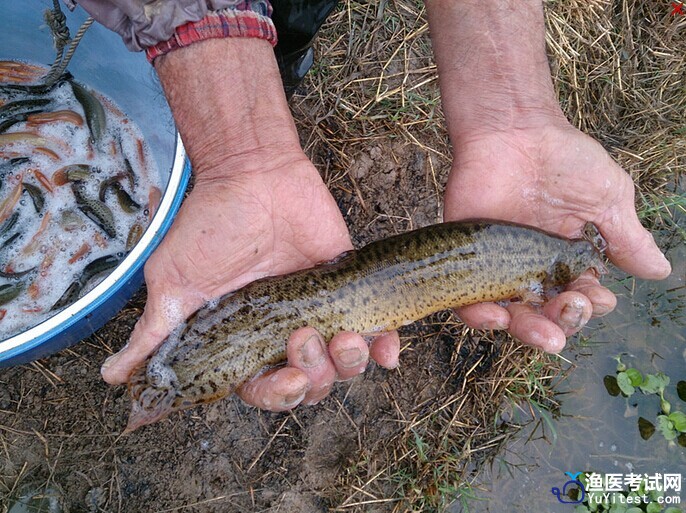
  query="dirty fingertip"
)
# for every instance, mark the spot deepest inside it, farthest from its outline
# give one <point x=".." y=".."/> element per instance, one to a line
<point x="385" y="350"/>
<point x="550" y="340"/>
<point x="276" y="390"/>
<point x="484" y="316"/>
<point x="349" y="353"/>
<point x="116" y="369"/>
<point x="306" y="349"/>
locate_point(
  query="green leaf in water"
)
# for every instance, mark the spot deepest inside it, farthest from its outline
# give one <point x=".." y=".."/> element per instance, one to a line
<point x="654" y="383"/>
<point x="681" y="390"/>
<point x="611" y="385"/>
<point x="624" y="383"/>
<point x="655" y="496"/>
<point x="634" y="510"/>
<point x="681" y="439"/>
<point x="635" y="377"/>
<point x="666" y="427"/>
<point x="672" y="509"/>
<point x="653" y="507"/>
<point x="620" y="365"/>
<point x="678" y="418"/>
<point x="618" y="508"/>
<point x="665" y="405"/>
<point x="646" y="428"/>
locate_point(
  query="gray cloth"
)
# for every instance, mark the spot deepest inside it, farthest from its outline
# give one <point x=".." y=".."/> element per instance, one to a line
<point x="144" y="23"/>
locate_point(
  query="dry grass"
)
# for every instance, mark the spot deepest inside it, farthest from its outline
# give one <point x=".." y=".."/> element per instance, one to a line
<point x="429" y="461"/>
<point x="374" y="81"/>
<point x="620" y="73"/>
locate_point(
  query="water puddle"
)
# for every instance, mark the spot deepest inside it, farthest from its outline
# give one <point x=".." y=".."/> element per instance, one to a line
<point x="596" y="432"/>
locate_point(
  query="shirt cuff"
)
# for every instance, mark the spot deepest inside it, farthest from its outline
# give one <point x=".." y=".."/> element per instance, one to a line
<point x="217" y="24"/>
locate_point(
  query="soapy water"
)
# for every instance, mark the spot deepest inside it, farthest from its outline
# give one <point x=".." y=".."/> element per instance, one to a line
<point x="53" y="243"/>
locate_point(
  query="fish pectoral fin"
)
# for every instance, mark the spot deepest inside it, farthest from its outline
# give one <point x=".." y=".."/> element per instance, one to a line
<point x="337" y="259"/>
<point x="531" y="297"/>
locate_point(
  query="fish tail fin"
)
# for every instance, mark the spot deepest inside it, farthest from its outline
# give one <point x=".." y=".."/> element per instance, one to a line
<point x="149" y="403"/>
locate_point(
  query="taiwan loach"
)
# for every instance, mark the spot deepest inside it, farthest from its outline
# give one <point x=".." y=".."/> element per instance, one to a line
<point x="380" y="287"/>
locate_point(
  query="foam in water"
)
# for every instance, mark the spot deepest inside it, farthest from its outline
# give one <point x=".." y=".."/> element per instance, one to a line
<point x="61" y="240"/>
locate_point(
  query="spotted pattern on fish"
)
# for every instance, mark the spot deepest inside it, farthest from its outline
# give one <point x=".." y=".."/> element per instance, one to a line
<point x="377" y="288"/>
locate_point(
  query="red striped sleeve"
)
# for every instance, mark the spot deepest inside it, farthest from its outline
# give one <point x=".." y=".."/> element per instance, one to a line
<point x="217" y="24"/>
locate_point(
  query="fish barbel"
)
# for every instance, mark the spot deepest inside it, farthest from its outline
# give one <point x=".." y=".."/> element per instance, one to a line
<point x="378" y="288"/>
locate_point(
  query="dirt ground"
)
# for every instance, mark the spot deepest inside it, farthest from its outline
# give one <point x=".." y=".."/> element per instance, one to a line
<point x="369" y="117"/>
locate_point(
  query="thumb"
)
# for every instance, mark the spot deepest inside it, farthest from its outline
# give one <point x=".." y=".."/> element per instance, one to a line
<point x="631" y="247"/>
<point x="161" y="315"/>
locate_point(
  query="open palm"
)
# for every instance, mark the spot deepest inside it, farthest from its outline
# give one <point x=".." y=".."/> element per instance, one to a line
<point x="558" y="179"/>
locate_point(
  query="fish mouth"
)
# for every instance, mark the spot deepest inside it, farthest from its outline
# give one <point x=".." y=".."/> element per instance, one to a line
<point x="148" y="405"/>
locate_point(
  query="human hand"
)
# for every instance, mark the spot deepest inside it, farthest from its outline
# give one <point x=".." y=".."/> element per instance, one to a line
<point x="552" y="176"/>
<point x="518" y="159"/>
<point x="258" y="208"/>
<point x="232" y="231"/>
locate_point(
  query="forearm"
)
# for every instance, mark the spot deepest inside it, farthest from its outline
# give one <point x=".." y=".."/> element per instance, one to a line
<point x="228" y="103"/>
<point x="492" y="64"/>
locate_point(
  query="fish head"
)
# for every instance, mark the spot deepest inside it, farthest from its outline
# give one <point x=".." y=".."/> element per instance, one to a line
<point x="155" y="393"/>
<point x="577" y="256"/>
<point x="150" y="401"/>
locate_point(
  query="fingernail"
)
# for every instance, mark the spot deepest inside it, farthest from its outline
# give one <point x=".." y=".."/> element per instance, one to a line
<point x="572" y="317"/>
<point x="349" y="358"/>
<point x="112" y="360"/>
<point x="291" y="400"/>
<point x="492" y="325"/>
<point x="600" y="310"/>
<point x="666" y="264"/>
<point x="312" y="352"/>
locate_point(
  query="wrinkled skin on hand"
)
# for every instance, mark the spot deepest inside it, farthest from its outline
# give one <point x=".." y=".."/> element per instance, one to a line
<point x="232" y="231"/>
<point x="554" y="177"/>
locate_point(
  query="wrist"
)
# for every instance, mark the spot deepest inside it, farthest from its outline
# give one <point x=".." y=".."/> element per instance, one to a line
<point x="493" y="68"/>
<point x="228" y="103"/>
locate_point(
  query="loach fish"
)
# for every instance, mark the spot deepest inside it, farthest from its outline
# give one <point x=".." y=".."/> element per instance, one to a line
<point x="93" y="109"/>
<point x="380" y="287"/>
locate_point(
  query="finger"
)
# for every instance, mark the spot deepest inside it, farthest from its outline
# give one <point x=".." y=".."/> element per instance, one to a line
<point x="602" y="299"/>
<point x="630" y="246"/>
<point x="276" y="390"/>
<point x="570" y="310"/>
<point x="385" y="349"/>
<point x="150" y="330"/>
<point x="484" y="316"/>
<point x="307" y="351"/>
<point x="161" y="315"/>
<point x="350" y="354"/>
<point x="535" y="329"/>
